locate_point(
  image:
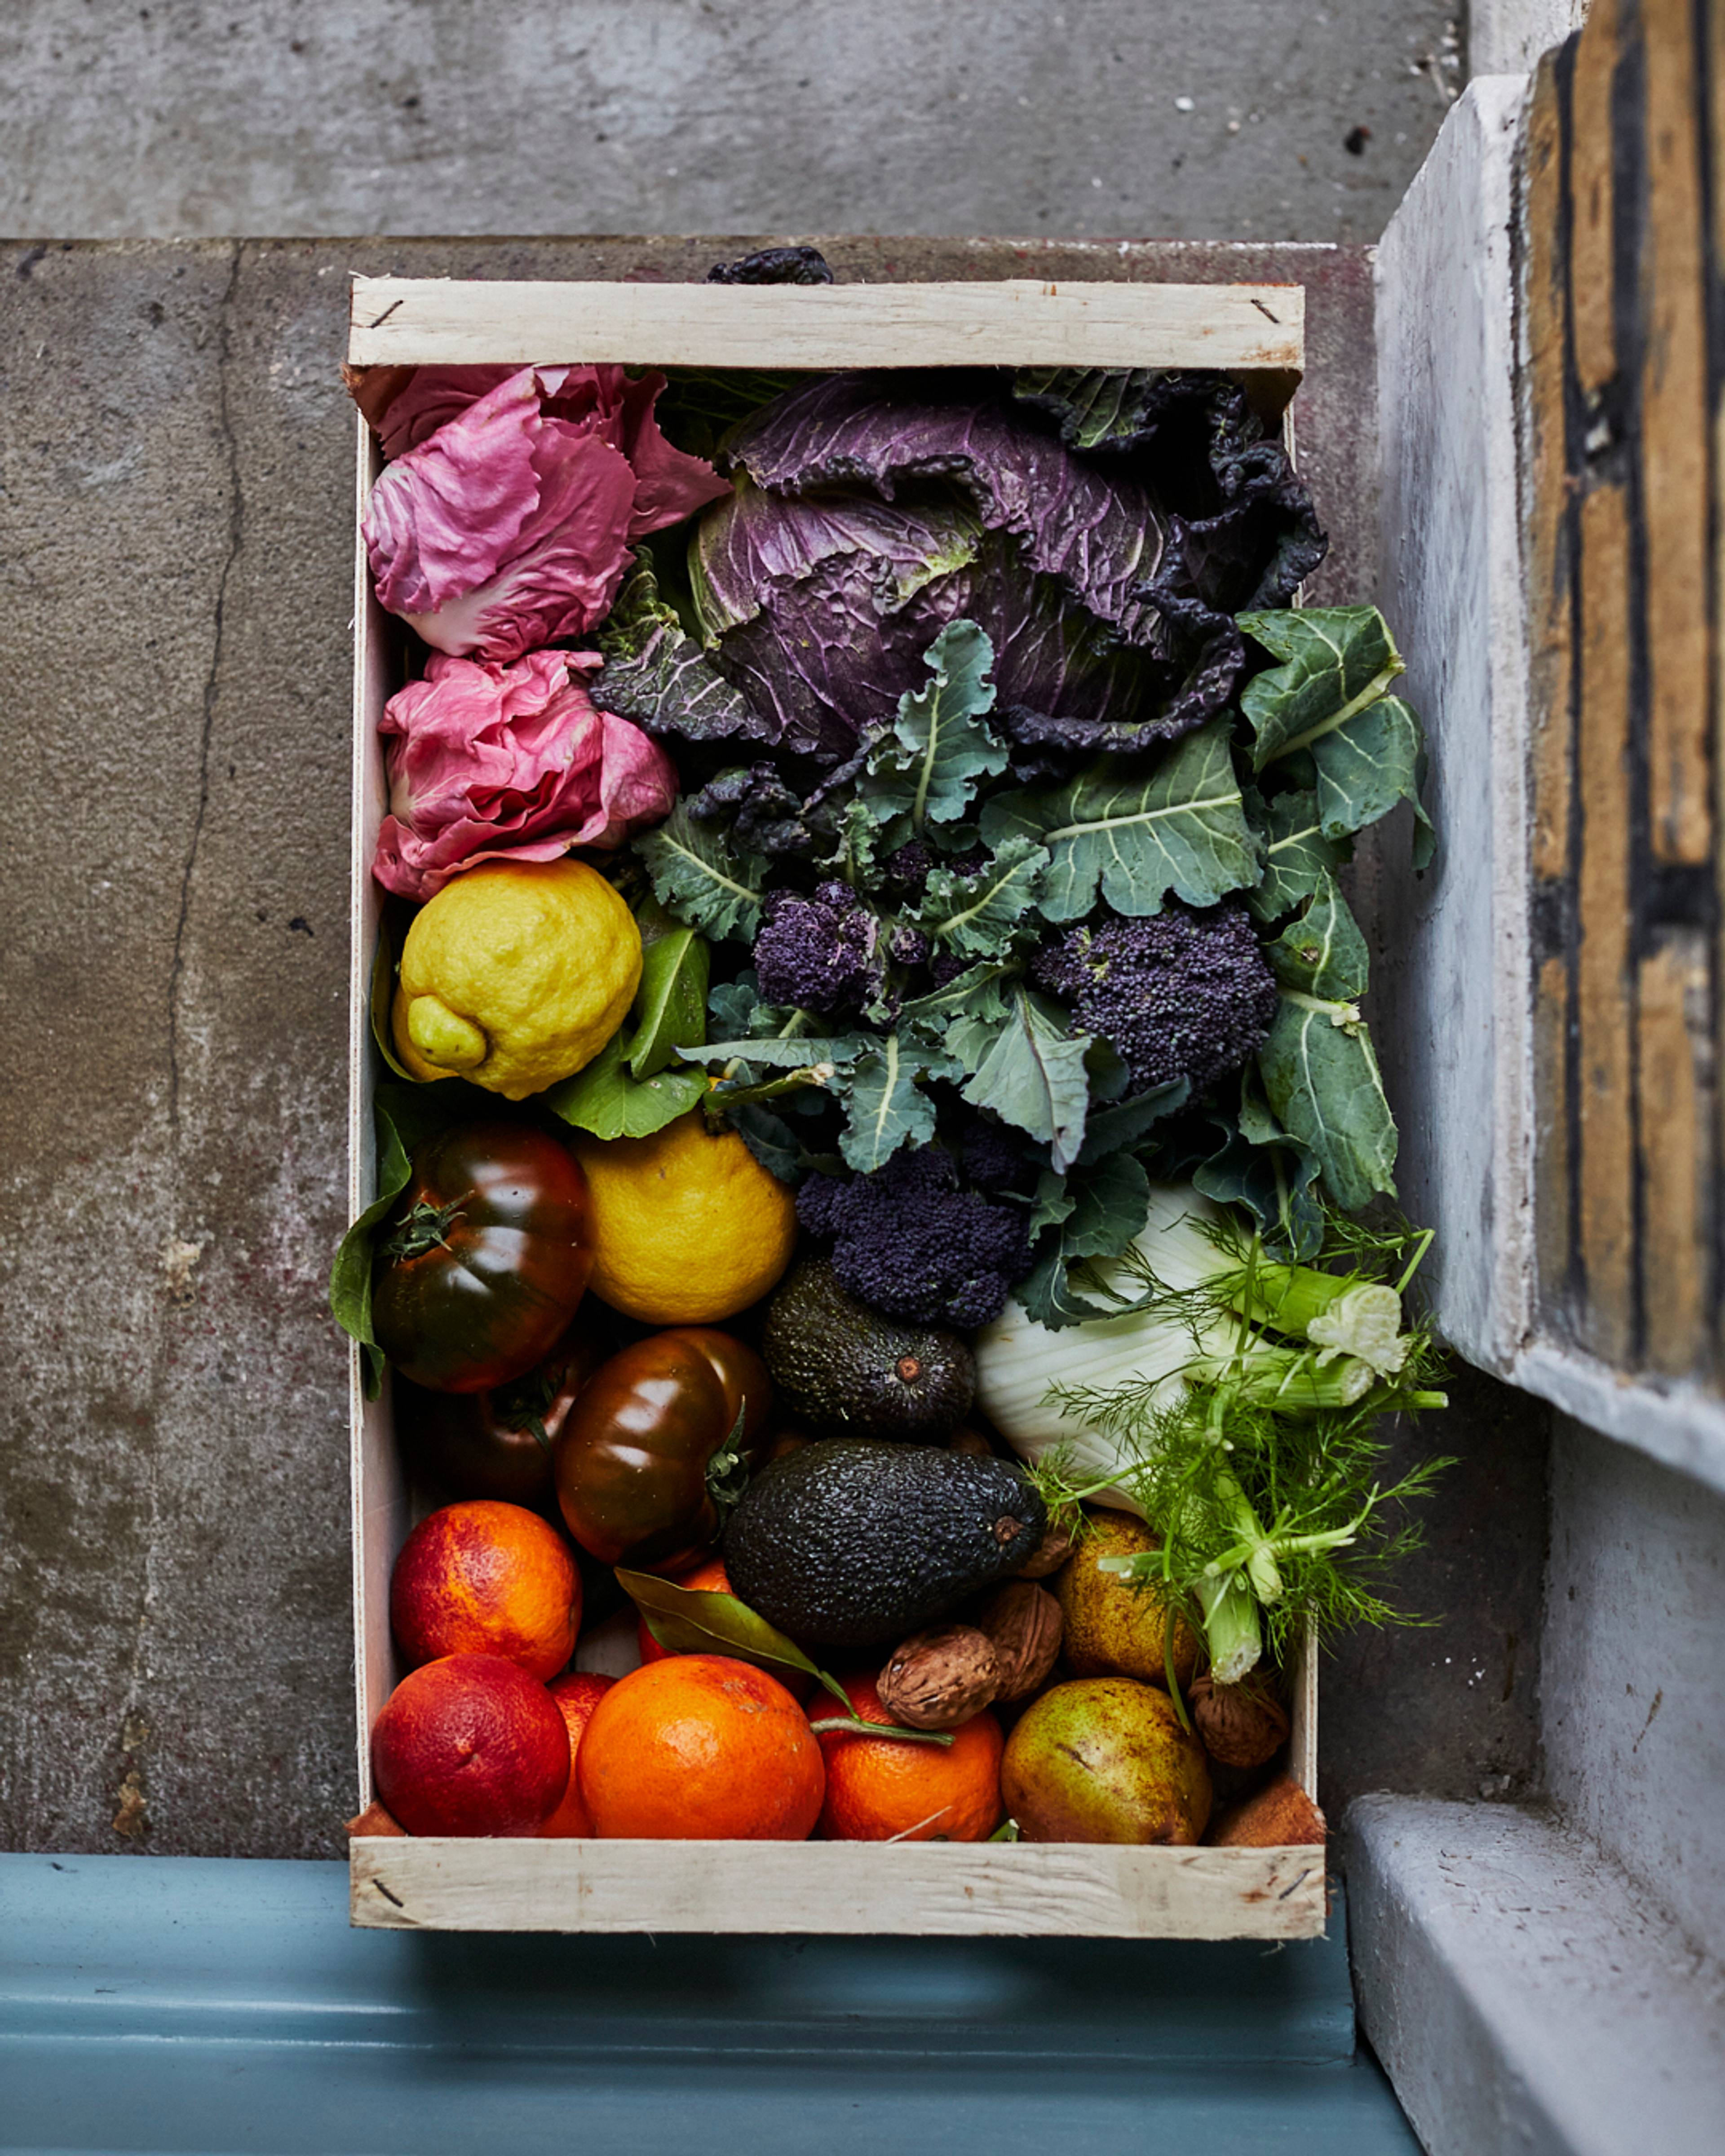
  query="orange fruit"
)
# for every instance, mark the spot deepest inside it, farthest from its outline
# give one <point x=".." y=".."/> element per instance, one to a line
<point x="470" y="1745"/>
<point x="888" y="1788"/>
<point x="700" y="1748"/>
<point x="708" y="1579"/>
<point x="576" y="1695"/>
<point x="484" y="1578"/>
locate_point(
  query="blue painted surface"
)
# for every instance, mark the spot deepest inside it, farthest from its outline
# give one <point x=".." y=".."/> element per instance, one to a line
<point x="184" y="2004"/>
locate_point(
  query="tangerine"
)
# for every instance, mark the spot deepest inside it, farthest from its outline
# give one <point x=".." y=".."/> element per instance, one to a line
<point x="891" y="1788"/>
<point x="470" y="1745"/>
<point x="576" y="1697"/>
<point x="700" y="1747"/>
<point x="485" y="1578"/>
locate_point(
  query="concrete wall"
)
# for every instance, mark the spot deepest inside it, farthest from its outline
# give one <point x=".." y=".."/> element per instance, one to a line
<point x="1241" y="119"/>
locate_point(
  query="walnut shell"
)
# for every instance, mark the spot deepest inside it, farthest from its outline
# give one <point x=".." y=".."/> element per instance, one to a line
<point x="1023" y="1622"/>
<point x="1053" y="1549"/>
<point x="940" y="1678"/>
<point x="1242" y="1725"/>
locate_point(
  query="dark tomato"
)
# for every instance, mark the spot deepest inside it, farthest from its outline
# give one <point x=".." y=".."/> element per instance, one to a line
<point x="499" y="1444"/>
<point x="645" y="1470"/>
<point x="484" y="1259"/>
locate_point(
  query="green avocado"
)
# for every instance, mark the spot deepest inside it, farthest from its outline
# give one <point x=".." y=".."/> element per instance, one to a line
<point x="846" y="1371"/>
<point x="852" y="1542"/>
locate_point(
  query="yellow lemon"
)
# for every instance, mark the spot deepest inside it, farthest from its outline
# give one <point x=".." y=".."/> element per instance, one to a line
<point x="516" y="975"/>
<point x="687" y="1225"/>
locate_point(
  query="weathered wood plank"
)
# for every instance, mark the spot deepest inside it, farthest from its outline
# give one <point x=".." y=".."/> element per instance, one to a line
<point x="1023" y="322"/>
<point x="1673" y="1071"/>
<point x="1553" y="1226"/>
<point x="1591" y="197"/>
<point x="1549" y="568"/>
<point x="1010" y="1890"/>
<point x="1674" y="424"/>
<point x="1606" y="1034"/>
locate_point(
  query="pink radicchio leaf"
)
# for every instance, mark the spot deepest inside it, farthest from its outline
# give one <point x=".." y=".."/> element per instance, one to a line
<point x="489" y="761"/>
<point x="504" y="523"/>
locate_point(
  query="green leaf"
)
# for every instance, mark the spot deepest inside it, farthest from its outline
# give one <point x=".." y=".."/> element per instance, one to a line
<point x="670" y="1004"/>
<point x="980" y="916"/>
<point x="1111" y="1204"/>
<point x="701" y="879"/>
<point x="1111" y="1129"/>
<point x="690" y="1620"/>
<point x="1053" y="1202"/>
<point x="1135" y="834"/>
<point x="884" y="1107"/>
<point x="924" y="769"/>
<point x="658" y="676"/>
<point x="1336" y="662"/>
<point x="605" y="1099"/>
<point x="772" y="1141"/>
<point x="383" y="995"/>
<point x="1296" y="853"/>
<point x="1321" y="1079"/>
<point x="856" y="845"/>
<point x="1033" y="1076"/>
<point x="977" y="995"/>
<point x="1096" y="405"/>
<point x="1322" y="953"/>
<point x="1259" y="1166"/>
<point x="1366" y="766"/>
<point x="785" y="1052"/>
<point x="350" y="1275"/>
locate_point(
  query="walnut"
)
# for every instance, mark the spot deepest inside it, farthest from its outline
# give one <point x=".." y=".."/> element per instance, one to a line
<point x="938" y="1679"/>
<point x="1025" y="1624"/>
<point x="1053" y="1549"/>
<point x="1242" y="1725"/>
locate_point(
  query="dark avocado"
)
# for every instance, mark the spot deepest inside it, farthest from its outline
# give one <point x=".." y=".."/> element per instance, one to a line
<point x="851" y="1543"/>
<point x="847" y="1371"/>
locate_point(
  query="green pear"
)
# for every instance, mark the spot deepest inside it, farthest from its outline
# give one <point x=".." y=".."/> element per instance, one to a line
<point x="1105" y="1759"/>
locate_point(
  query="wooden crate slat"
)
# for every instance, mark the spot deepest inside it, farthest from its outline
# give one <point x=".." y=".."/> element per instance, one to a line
<point x="930" y="1888"/>
<point x="1674" y="427"/>
<point x="1592" y="199"/>
<point x="1549" y="566"/>
<point x="1605" y="1047"/>
<point x="1676" y="1149"/>
<point x="1022" y="322"/>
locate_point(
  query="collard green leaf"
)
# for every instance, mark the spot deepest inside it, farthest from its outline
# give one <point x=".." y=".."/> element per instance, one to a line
<point x="885" y="1108"/>
<point x="688" y="1620"/>
<point x="981" y="916"/>
<point x="1054" y="1197"/>
<point x="1321" y="1080"/>
<point x="1366" y="766"/>
<point x="1337" y="661"/>
<point x="856" y="845"/>
<point x="1256" y="1165"/>
<point x="1322" y="953"/>
<point x="979" y="995"/>
<point x="698" y="877"/>
<point x="605" y="1099"/>
<point x="1111" y="1204"/>
<point x="786" y="1051"/>
<point x="1033" y="1076"/>
<point x="1111" y="1129"/>
<point x="1296" y="853"/>
<point x="772" y="1141"/>
<point x="658" y="677"/>
<point x="670" y="1004"/>
<point x="924" y="767"/>
<point x="1134" y="833"/>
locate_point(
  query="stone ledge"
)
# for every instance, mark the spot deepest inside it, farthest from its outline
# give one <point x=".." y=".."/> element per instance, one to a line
<point x="1524" y="1994"/>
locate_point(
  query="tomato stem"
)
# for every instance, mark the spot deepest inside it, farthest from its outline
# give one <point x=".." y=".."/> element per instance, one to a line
<point x="426" y="1228"/>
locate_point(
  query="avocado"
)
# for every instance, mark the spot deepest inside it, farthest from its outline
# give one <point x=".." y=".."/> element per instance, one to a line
<point x="848" y="1372"/>
<point x="853" y="1542"/>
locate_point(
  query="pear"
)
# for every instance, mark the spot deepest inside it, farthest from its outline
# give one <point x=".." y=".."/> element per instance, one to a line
<point x="1114" y="1628"/>
<point x="1105" y="1759"/>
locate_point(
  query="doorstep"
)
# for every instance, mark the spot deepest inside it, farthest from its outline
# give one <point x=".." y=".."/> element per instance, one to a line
<point x="201" y="2003"/>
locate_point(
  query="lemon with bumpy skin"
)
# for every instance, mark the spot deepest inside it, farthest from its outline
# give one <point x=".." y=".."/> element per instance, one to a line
<point x="687" y="1225"/>
<point x="516" y="975"/>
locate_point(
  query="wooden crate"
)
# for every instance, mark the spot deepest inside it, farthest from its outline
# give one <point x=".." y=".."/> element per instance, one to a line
<point x="1071" y="1889"/>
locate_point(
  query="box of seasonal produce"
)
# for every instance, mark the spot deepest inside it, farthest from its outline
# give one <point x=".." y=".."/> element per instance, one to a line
<point x="875" y="1280"/>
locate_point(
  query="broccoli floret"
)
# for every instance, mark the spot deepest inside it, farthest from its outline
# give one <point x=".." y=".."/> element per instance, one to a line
<point x="817" y="953"/>
<point x="909" y="1243"/>
<point x="995" y="1161"/>
<point x="1185" y="994"/>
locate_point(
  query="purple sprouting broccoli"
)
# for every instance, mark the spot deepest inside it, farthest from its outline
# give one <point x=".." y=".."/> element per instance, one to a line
<point x="907" y="1241"/>
<point x="817" y="953"/>
<point x="1185" y="994"/>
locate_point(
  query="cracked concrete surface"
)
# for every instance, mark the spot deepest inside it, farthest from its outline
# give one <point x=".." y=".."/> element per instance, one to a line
<point x="176" y="475"/>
